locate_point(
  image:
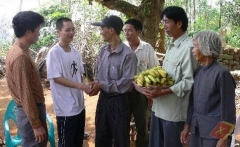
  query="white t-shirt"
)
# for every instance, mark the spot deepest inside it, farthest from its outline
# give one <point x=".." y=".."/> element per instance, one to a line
<point x="67" y="101"/>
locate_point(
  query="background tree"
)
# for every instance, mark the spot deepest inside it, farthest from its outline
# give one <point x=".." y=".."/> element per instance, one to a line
<point x="231" y="21"/>
<point x="51" y="14"/>
<point x="148" y="11"/>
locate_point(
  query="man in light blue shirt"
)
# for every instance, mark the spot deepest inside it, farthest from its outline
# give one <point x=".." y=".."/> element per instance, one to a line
<point x="170" y="104"/>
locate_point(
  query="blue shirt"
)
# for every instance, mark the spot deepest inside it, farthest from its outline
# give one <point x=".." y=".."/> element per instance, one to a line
<point x="115" y="70"/>
<point x="180" y="65"/>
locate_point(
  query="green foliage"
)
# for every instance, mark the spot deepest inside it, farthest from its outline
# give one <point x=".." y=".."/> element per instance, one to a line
<point x="208" y="17"/>
<point x="4" y="46"/>
<point x="5" y="37"/>
<point x="233" y="37"/>
<point x="47" y="38"/>
<point x="231" y="12"/>
<point x="148" y="8"/>
<point x="51" y="14"/>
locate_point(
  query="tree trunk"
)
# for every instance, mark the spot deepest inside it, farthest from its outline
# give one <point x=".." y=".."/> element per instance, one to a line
<point x="20" y="5"/>
<point x="149" y="13"/>
<point x="220" y="14"/>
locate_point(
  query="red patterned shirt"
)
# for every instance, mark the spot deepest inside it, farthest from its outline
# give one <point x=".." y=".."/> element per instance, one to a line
<point x="24" y="82"/>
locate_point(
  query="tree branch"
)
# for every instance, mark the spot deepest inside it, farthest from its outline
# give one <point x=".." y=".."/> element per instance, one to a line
<point x="121" y="6"/>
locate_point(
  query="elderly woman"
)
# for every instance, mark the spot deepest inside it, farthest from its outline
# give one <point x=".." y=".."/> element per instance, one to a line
<point x="212" y="99"/>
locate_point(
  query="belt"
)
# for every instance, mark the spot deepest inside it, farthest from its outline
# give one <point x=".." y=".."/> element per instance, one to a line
<point x="38" y="104"/>
<point x="115" y="94"/>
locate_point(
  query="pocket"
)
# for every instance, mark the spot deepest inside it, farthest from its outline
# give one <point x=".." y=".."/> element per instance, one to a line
<point x="142" y="65"/>
<point x="113" y="72"/>
<point x="172" y="68"/>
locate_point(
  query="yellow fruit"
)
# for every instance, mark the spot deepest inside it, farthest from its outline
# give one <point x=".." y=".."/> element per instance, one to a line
<point x="152" y="79"/>
<point x="153" y="73"/>
<point x="170" y="82"/>
<point x="147" y="80"/>
<point x="158" y="80"/>
<point x="163" y="80"/>
<point x="157" y="68"/>
<point x="135" y="77"/>
<point x="163" y="73"/>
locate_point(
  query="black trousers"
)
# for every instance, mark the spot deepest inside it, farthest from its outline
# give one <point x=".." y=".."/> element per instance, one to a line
<point x="112" y="120"/>
<point x="71" y="130"/>
<point x="138" y="107"/>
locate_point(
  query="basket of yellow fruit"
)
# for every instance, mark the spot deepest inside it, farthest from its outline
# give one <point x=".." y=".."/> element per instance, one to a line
<point x="156" y="76"/>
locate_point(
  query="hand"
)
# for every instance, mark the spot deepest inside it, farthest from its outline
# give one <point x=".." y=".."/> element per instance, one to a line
<point x="40" y="134"/>
<point x="95" y="88"/>
<point x="153" y="91"/>
<point x="86" y="87"/>
<point x="222" y="143"/>
<point x="185" y="134"/>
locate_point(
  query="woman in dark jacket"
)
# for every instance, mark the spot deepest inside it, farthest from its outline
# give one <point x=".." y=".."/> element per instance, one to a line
<point x="212" y="99"/>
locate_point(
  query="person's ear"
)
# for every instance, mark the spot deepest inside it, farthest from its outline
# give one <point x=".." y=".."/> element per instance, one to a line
<point x="112" y="30"/>
<point x="139" y="32"/>
<point x="179" y="24"/>
<point x="58" y="33"/>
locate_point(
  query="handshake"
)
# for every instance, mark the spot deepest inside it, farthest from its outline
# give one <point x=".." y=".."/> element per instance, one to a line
<point x="91" y="88"/>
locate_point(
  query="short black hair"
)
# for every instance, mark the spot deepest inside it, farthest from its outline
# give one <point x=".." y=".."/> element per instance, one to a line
<point x="59" y="22"/>
<point x="26" y="20"/>
<point x="136" y="23"/>
<point x="176" y="13"/>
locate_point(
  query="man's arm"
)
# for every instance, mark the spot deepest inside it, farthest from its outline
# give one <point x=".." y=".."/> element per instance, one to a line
<point x="188" y="67"/>
<point x="71" y="84"/>
<point x="55" y="72"/>
<point x="156" y="91"/>
<point x="22" y="80"/>
<point x="125" y="82"/>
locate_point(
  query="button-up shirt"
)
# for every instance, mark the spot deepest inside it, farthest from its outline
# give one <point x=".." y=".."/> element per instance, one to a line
<point x="24" y="82"/>
<point x="115" y="70"/>
<point x="180" y="65"/>
<point x="146" y="56"/>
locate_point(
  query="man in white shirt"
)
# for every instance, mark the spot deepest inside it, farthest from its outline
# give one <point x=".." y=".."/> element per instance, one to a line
<point x="146" y="58"/>
<point x="64" y="70"/>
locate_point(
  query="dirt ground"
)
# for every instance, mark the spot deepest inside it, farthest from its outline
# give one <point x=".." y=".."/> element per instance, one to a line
<point x="90" y="103"/>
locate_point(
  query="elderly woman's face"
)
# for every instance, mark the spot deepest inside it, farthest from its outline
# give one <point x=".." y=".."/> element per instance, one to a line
<point x="197" y="54"/>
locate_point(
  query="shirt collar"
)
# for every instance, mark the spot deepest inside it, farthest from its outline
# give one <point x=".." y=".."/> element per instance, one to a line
<point x="23" y="47"/>
<point x="140" y="46"/>
<point x="118" y="49"/>
<point x="180" y="39"/>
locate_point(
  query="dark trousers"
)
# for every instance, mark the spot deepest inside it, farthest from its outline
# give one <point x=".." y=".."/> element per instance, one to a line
<point x="197" y="141"/>
<point x="138" y="106"/>
<point x="25" y="128"/>
<point x="165" y="133"/>
<point x="71" y="130"/>
<point x="112" y="120"/>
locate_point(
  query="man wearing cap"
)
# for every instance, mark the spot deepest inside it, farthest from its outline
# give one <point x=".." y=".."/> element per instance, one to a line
<point x="116" y="67"/>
